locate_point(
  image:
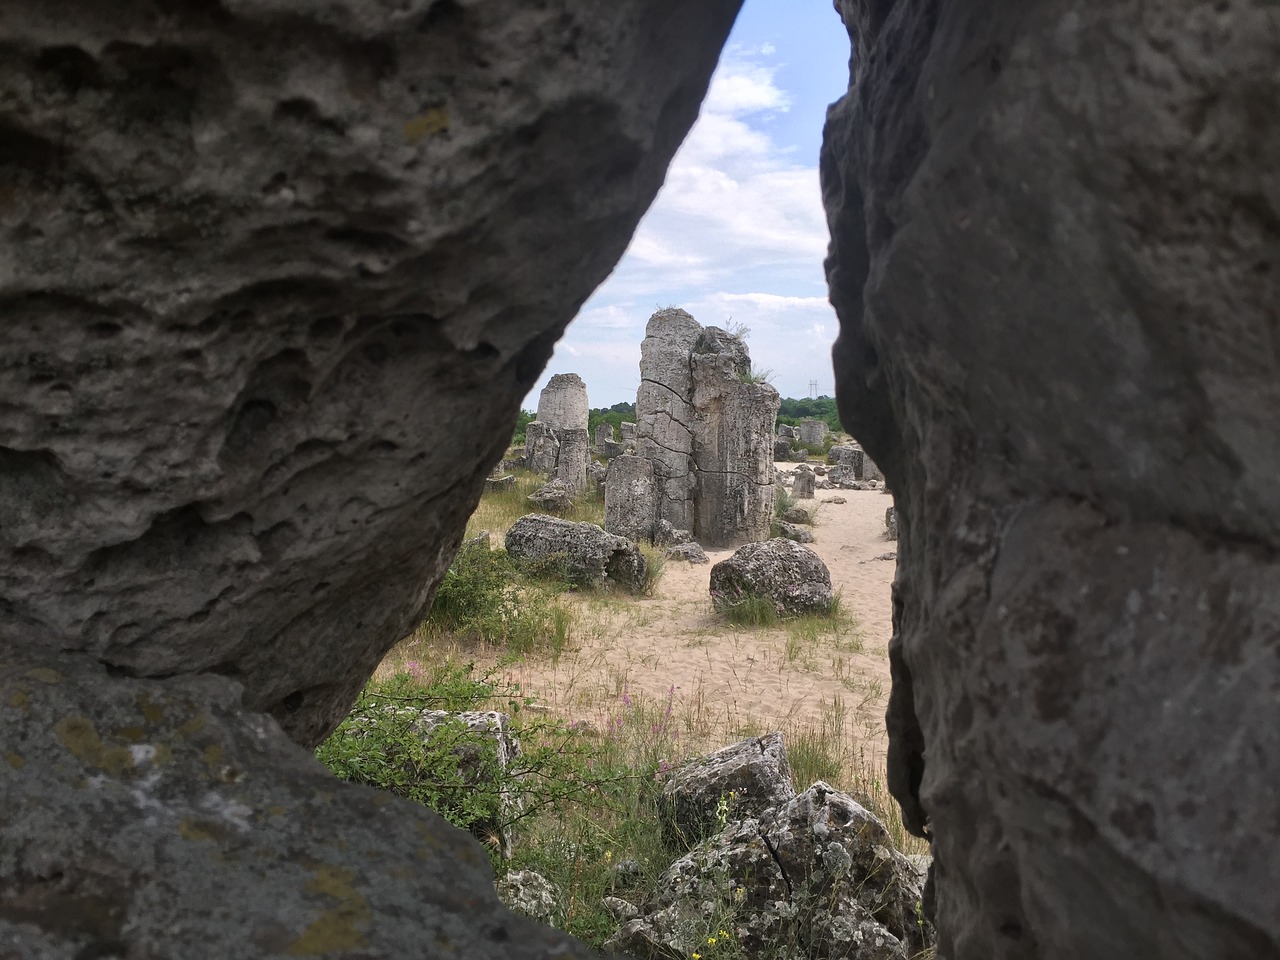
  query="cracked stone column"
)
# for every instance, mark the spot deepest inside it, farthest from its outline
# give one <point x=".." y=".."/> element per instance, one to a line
<point x="664" y="411"/>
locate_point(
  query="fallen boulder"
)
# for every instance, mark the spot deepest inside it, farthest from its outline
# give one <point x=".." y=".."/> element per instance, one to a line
<point x="583" y="553"/>
<point x="553" y="497"/>
<point x="789" y="575"/>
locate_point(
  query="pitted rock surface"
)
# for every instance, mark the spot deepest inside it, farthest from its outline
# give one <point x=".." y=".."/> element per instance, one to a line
<point x="276" y="277"/>
<point x="746" y="778"/>
<point x="792" y="577"/>
<point x="563" y="404"/>
<point x="1054" y="260"/>
<point x="582" y="552"/>
<point x="140" y="815"/>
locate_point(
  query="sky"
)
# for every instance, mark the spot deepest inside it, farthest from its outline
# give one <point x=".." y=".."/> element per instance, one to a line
<point x="737" y="234"/>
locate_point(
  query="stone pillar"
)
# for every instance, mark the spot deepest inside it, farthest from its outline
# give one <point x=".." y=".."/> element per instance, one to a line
<point x="541" y="448"/>
<point x="803" y="487"/>
<point x="781" y="449"/>
<point x="628" y="431"/>
<point x="575" y="454"/>
<point x="732" y="443"/>
<point x="630" y="498"/>
<point x="813" y="432"/>
<point x="562" y="405"/>
<point x="604" y="434"/>
<point x="664" y="411"/>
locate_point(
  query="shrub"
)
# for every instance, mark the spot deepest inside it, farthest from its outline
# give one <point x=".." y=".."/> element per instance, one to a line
<point x="483" y="598"/>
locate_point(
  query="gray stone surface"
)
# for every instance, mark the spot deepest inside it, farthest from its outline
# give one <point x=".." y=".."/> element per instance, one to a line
<point x="552" y="497"/>
<point x="1053" y="258"/>
<point x="628" y="430"/>
<point x="788" y="432"/>
<point x="664" y="408"/>
<point x="574" y="455"/>
<point x="604" y="434"/>
<point x="891" y="523"/>
<point x="582" y="552"/>
<point x="563" y="404"/>
<point x="813" y="432"/>
<point x="791" y="576"/>
<point x="708" y="429"/>
<point x="802" y="486"/>
<point x="781" y="449"/>
<point x="630" y="498"/>
<point x="792" y="531"/>
<point x="160" y="818"/>
<point x="691" y="552"/>
<point x="495" y="484"/>
<point x="541" y="448"/>
<point x="532" y="895"/>
<point x="736" y="782"/>
<point x="275" y="278"/>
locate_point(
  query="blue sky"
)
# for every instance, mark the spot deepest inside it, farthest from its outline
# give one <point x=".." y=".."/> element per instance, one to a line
<point x="737" y="233"/>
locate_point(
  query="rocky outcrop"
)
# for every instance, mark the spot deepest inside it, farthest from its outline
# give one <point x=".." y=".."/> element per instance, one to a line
<point x="813" y="432"/>
<point x="707" y="427"/>
<point x="1054" y="235"/>
<point x="604" y="434"/>
<point x="276" y="278"/>
<point x="552" y="497"/>
<point x="781" y="449"/>
<point x="690" y="552"/>
<point x="791" y="577"/>
<point x="581" y="552"/>
<point x="792" y="531"/>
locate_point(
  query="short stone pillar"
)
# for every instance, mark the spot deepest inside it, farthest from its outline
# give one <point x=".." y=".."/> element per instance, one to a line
<point x="630" y="498"/>
<point x="604" y="434"/>
<point x="782" y="449"/>
<point x="788" y="431"/>
<point x="813" y="432"/>
<point x="803" y="487"/>
<point x="541" y="448"/>
<point x="562" y="405"/>
<point x="628" y="431"/>
<point x="571" y="465"/>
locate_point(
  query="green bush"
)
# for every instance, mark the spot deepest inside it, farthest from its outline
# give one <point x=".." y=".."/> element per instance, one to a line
<point x="484" y="598"/>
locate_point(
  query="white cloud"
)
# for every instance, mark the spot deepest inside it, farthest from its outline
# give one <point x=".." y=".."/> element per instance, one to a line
<point x="738" y="231"/>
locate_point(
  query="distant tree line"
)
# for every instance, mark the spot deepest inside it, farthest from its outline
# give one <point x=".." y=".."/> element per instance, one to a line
<point x="823" y="408"/>
<point x="791" y="412"/>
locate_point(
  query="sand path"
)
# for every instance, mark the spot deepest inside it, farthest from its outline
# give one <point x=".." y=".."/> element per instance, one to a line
<point x="725" y="678"/>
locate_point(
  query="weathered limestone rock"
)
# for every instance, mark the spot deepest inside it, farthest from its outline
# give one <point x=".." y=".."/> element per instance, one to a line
<point x="798" y="515"/>
<point x="813" y="432"/>
<point x="494" y="484"/>
<point x="691" y="552"/>
<point x="552" y="497"/>
<point x="610" y="450"/>
<point x="541" y="448"/>
<point x="735" y="782"/>
<point x="664" y="406"/>
<point x="597" y="472"/>
<point x="571" y="464"/>
<point x="781" y="449"/>
<point x="733" y="446"/>
<point x="664" y="533"/>
<point x="147" y="812"/>
<point x="788" y="432"/>
<point x="275" y="277"/>
<point x="532" y="895"/>
<point x="891" y="523"/>
<point x="628" y="431"/>
<point x="582" y="552"/>
<point x="630" y="498"/>
<point x="604" y="434"/>
<point x="802" y="486"/>
<point x="792" y="577"/>
<point x="1053" y="257"/>
<point x="792" y="531"/>
<point x="707" y="428"/>
<point x="563" y="404"/>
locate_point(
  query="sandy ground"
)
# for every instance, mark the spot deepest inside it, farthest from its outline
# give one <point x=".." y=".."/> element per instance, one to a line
<point x="671" y="645"/>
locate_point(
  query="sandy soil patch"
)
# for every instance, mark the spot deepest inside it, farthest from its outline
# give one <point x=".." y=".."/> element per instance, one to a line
<point x="671" y="646"/>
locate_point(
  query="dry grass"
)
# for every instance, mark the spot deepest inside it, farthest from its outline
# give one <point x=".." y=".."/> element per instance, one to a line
<point x="497" y="511"/>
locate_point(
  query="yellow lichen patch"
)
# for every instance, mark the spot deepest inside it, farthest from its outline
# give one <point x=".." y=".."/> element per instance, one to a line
<point x="275" y="810"/>
<point x="16" y="760"/>
<point x="18" y="699"/>
<point x="44" y="675"/>
<point x="194" y="725"/>
<point x="131" y="734"/>
<point x="210" y="830"/>
<point x="79" y="736"/>
<point x="435" y="120"/>
<point x="341" y="927"/>
<point x="151" y="712"/>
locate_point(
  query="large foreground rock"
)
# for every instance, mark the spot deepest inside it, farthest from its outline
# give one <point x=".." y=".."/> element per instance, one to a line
<point x="1054" y="258"/>
<point x="160" y="818"/>
<point x="275" y="278"/>
<point x="582" y="552"/>
<point x="790" y="576"/>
